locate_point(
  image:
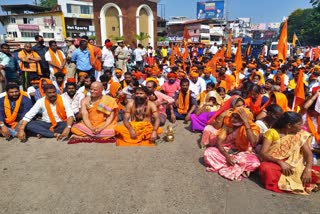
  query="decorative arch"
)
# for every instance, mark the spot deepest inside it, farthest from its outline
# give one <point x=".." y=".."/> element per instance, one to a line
<point x="103" y="23"/>
<point x="150" y="22"/>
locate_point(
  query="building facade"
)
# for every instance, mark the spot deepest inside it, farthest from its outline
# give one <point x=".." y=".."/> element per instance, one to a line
<point x="78" y="16"/>
<point x="114" y="19"/>
<point x="23" y="22"/>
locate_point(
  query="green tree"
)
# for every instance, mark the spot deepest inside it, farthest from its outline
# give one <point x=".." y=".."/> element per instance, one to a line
<point x="48" y="3"/>
<point x="117" y="38"/>
<point x="306" y="26"/>
<point x="315" y="3"/>
<point x="141" y="37"/>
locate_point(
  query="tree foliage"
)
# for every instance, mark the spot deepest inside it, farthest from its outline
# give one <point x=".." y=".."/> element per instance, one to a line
<point x="305" y="23"/>
<point x="141" y="37"/>
<point x="48" y="3"/>
<point x="315" y="3"/>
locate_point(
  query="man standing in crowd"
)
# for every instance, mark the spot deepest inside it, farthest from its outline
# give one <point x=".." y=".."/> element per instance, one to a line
<point x="56" y="60"/>
<point x="121" y="55"/>
<point x="12" y="68"/>
<point x="71" y="67"/>
<point x="29" y="65"/>
<point x="139" y="57"/>
<point x="81" y="57"/>
<point x="41" y="50"/>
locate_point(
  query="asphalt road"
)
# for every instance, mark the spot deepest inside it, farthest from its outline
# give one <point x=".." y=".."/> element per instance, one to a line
<point x="45" y="176"/>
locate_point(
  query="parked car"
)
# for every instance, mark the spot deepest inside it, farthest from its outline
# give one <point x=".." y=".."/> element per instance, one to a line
<point x="274" y="49"/>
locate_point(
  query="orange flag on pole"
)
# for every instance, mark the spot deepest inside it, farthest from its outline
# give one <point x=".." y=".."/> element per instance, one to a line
<point x="228" y="54"/>
<point x="172" y="56"/>
<point x="294" y="40"/>
<point x="299" y="95"/>
<point x="186" y="35"/>
<point x="238" y="61"/>
<point x="283" y="42"/>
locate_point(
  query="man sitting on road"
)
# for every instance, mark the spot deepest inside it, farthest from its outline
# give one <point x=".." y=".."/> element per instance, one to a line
<point x="13" y="107"/>
<point x="137" y="129"/>
<point x="57" y="117"/>
<point x="99" y="114"/>
<point x="185" y="104"/>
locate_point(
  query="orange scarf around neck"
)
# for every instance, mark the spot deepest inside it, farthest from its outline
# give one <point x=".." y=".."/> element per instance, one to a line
<point x="24" y="54"/>
<point x="255" y="107"/>
<point x="183" y="102"/>
<point x="91" y="51"/>
<point x="55" y="61"/>
<point x="60" y="111"/>
<point x="11" y="117"/>
<point x="48" y="81"/>
<point x="315" y="133"/>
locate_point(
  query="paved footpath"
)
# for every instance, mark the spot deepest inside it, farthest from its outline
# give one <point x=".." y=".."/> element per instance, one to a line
<point x="45" y="176"/>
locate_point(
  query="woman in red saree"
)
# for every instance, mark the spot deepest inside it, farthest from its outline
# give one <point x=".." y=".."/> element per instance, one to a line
<point x="287" y="157"/>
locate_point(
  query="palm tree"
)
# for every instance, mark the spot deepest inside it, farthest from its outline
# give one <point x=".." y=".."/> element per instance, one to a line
<point x="141" y="37"/>
<point x="117" y="38"/>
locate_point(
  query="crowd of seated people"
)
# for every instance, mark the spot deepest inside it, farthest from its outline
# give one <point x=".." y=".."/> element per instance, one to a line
<point x="264" y="116"/>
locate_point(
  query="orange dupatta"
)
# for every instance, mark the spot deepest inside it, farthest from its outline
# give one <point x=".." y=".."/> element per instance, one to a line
<point x="183" y="103"/>
<point x="60" y="111"/>
<point x="91" y="51"/>
<point x="282" y="86"/>
<point x="55" y="61"/>
<point x="241" y="141"/>
<point x="21" y="65"/>
<point x="315" y="133"/>
<point x="255" y="107"/>
<point x="11" y="116"/>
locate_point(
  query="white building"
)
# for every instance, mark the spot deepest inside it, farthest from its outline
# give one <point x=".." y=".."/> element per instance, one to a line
<point x="78" y="17"/>
<point x="23" y="22"/>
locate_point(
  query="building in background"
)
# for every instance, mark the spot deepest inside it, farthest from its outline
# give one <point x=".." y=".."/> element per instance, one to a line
<point x="78" y="16"/>
<point x="114" y="19"/>
<point x="23" y="22"/>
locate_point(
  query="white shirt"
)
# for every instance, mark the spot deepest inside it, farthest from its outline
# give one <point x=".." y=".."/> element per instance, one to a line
<point x="48" y="58"/>
<point x="138" y="52"/>
<point x="107" y="57"/>
<point x="30" y="90"/>
<point x="74" y="102"/>
<point x="213" y="49"/>
<point x="198" y="87"/>
<point x="39" y="106"/>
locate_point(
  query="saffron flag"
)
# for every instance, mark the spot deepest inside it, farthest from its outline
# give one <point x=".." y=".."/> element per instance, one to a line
<point x="238" y="61"/>
<point x="299" y="95"/>
<point x="186" y="35"/>
<point x="228" y="54"/>
<point x="294" y="40"/>
<point x="283" y="42"/>
<point x="172" y="61"/>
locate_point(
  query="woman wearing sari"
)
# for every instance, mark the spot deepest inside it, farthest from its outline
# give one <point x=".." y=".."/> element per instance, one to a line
<point x="216" y="121"/>
<point x="275" y="98"/>
<point x="287" y="157"/>
<point x="255" y="100"/>
<point x="207" y="109"/>
<point x="232" y="157"/>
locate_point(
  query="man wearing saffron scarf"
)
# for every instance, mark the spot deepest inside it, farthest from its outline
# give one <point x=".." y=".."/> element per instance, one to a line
<point x="99" y="114"/>
<point x="56" y="59"/>
<point x="13" y="107"/>
<point x="171" y="85"/>
<point x="57" y="117"/>
<point x="197" y="85"/>
<point x="127" y="80"/>
<point x="140" y="131"/>
<point x="185" y="104"/>
<point x="29" y="65"/>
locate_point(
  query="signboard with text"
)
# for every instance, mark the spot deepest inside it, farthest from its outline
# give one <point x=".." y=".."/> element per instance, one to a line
<point x="210" y="10"/>
<point x="77" y="28"/>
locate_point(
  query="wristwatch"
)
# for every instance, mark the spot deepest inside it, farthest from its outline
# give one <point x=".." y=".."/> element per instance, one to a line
<point x="69" y="126"/>
<point x="1" y="124"/>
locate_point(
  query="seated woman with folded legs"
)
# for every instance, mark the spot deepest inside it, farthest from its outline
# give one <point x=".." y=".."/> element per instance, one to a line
<point x="287" y="157"/>
<point x="232" y="157"/>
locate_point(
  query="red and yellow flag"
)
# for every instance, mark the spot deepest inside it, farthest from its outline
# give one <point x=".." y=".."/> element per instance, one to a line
<point x="283" y="42"/>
